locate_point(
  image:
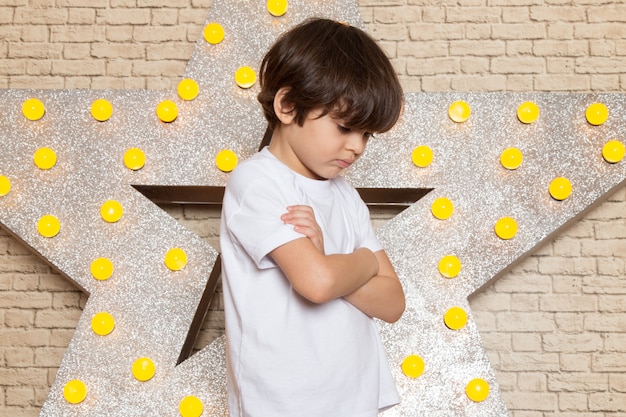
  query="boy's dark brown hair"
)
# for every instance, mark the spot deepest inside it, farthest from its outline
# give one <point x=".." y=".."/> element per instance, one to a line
<point x="339" y="68"/>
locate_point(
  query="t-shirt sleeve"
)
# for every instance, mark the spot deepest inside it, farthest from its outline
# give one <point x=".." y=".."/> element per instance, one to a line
<point x="254" y="219"/>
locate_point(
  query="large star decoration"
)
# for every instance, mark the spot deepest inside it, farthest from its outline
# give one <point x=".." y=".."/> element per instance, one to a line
<point x="493" y="168"/>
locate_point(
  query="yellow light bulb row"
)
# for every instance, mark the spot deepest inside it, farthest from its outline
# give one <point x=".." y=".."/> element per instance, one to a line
<point x="167" y="111"/>
<point x="143" y="369"/>
<point x="528" y="112"/>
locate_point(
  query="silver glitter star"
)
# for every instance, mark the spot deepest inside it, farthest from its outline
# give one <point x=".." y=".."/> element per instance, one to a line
<point x="154" y="307"/>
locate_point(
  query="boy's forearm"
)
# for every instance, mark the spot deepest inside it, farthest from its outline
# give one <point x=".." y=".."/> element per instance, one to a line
<point x="381" y="297"/>
<point x="321" y="278"/>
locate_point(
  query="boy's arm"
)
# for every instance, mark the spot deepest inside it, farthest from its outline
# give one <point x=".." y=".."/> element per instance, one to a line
<point x="319" y="277"/>
<point x="382" y="296"/>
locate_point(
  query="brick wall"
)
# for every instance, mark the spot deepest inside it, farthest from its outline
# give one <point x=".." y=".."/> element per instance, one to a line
<point x="554" y="327"/>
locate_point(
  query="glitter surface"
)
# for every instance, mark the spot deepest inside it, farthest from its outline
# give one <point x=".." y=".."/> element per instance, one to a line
<point x="153" y="307"/>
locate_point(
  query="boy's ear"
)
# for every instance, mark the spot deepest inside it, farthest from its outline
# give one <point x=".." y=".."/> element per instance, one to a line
<point x="282" y="108"/>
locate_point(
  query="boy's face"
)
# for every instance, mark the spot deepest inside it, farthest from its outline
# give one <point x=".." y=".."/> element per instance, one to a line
<point x="323" y="147"/>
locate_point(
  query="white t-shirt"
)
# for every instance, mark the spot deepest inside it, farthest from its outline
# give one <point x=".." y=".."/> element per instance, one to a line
<point x="286" y="356"/>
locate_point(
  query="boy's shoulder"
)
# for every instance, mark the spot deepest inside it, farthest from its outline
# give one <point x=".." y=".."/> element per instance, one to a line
<point x="260" y="167"/>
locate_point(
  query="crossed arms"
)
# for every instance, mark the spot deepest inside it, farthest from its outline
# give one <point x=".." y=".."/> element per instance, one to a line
<point x="365" y="279"/>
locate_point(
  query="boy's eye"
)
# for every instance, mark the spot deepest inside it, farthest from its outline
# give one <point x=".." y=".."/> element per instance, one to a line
<point x="368" y="135"/>
<point x="344" y="129"/>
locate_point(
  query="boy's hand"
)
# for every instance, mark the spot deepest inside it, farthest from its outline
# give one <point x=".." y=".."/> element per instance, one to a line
<point x="303" y="221"/>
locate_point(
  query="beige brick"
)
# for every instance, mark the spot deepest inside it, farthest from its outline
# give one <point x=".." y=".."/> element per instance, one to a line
<point x="611" y="304"/>
<point x="19" y="318"/>
<point x="49" y="16"/>
<point x="55" y="282"/>
<point x="181" y="51"/>
<point x="560" y="65"/>
<point x="607" y="83"/>
<point x="584" y="342"/>
<point x="118" y="50"/>
<point x="567" y="247"/>
<point x="600" y="31"/>
<point x="32" y="33"/>
<point x="159" y="34"/>
<point x="35" y="50"/>
<point x="20" y="337"/>
<point x="607" y="401"/>
<point x="569" y="322"/>
<point x="609" y="362"/>
<point x="12" y="67"/>
<point x="525" y="322"/>
<point x="387" y="15"/>
<point x="73" y="83"/>
<point x="615" y="342"/>
<point x="437" y="32"/>
<point x="572" y="401"/>
<point x="124" y="16"/>
<point x="567" y="284"/>
<point x="477" y="48"/>
<point x="567" y="266"/>
<point x="70" y="34"/>
<point x="50" y="83"/>
<point x="518" y="31"/>
<point x="575" y="362"/>
<point x="526" y="342"/>
<point x="162" y="3"/>
<point x="119" y="68"/>
<point x="19" y="357"/>
<point x="524" y="302"/>
<point x="604" y="248"/>
<point x="432" y="66"/>
<point x="13" y="299"/>
<point x="604" y="322"/>
<point x="578" y="382"/>
<point x="532" y="382"/>
<point x="52" y="319"/>
<point x="532" y="283"/>
<point x="119" y="34"/>
<point x="164" y="17"/>
<point x="76" y="51"/>
<point x="555" y="48"/>
<point x="391" y="32"/>
<point x="20" y="396"/>
<point x="474" y="65"/>
<point x="568" y="303"/>
<point x="426" y="49"/>
<point x="473" y="14"/>
<point x="78" y="67"/>
<point x="617" y="382"/>
<point x="191" y="16"/>
<point x="560" y="30"/>
<point x="81" y="3"/>
<point x="607" y="13"/>
<point x="478" y="31"/>
<point x="78" y="16"/>
<point x="517" y="65"/>
<point x="561" y="14"/>
<point x="48" y="356"/>
<point x="530" y="401"/>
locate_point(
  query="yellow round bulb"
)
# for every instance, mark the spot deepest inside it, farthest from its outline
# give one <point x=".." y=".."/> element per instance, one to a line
<point x="511" y="158"/>
<point x="48" y="226"/>
<point x="5" y="185"/>
<point x="422" y="156"/>
<point x="101" y="269"/>
<point x="455" y="318"/>
<point x="175" y="259"/>
<point x="102" y="323"/>
<point x="597" y="114"/>
<point x="560" y="188"/>
<point x="477" y="390"/>
<point x="506" y="228"/>
<point x="33" y="109"/>
<point x="134" y="159"/>
<point x="111" y="211"/>
<point x="75" y="391"/>
<point x="245" y="77"/>
<point x="167" y="111"/>
<point x="613" y="151"/>
<point x="459" y="111"/>
<point x="442" y="208"/>
<point x="527" y="112"/>
<point x="449" y="266"/>
<point x="226" y="160"/>
<point x="213" y="33"/>
<point x="413" y="366"/>
<point x="190" y="406"/>
<point x="101" y="110"/>
<point x="45" y="158"/>
<point x="277" y="7"/>
<point x="143" y="369"/>
<point x="188" y="89"/>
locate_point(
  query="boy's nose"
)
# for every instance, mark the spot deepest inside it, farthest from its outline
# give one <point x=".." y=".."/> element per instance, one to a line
<point x="356" y="143"/>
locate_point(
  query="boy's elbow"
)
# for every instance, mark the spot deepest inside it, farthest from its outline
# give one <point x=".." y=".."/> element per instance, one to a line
<point x="394" y="313"/>
<point x="320" y="288"/>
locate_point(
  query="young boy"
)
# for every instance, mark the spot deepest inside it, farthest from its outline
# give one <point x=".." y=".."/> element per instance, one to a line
<point x="303" y="271"/>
